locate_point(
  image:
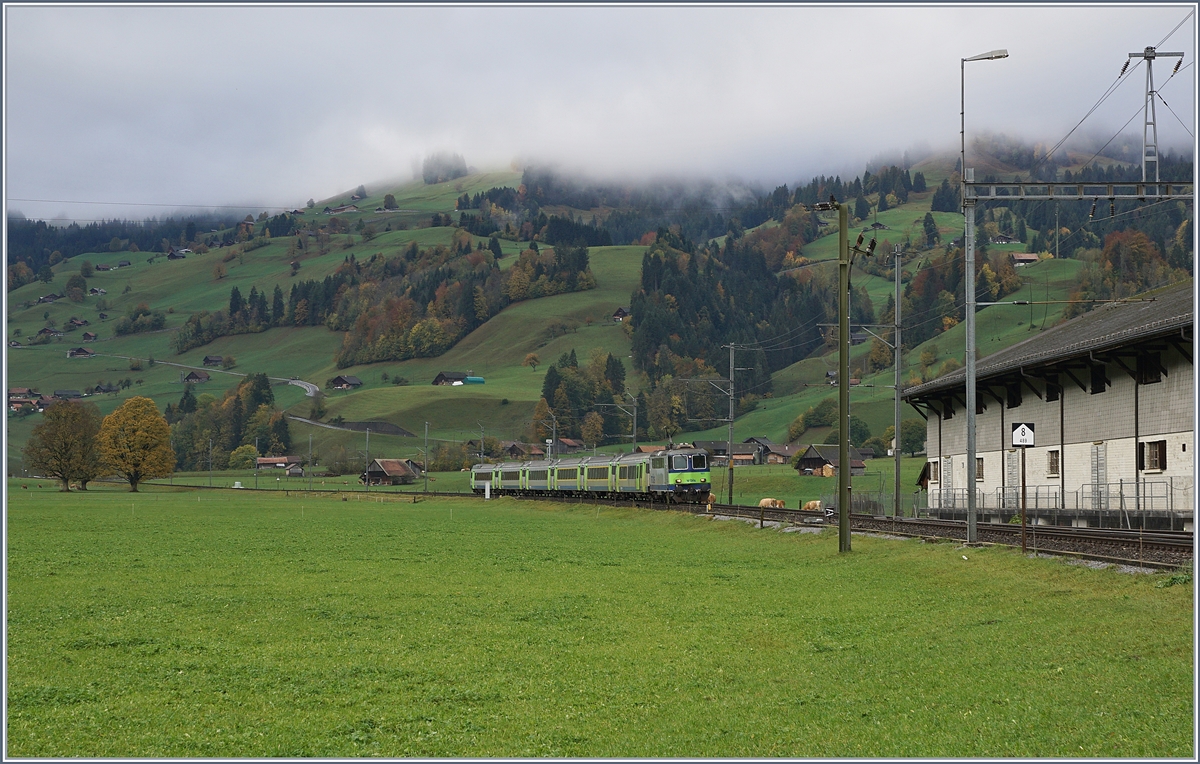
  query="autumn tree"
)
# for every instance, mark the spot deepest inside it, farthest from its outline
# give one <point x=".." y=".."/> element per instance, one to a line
<point x="532" y="361"/>
<point x="63" y="446"/>
<point x="219" y="272"/>
<point x="135" y="441"/>
<point x="389" y="202"/>
<point x="593" y="428"/>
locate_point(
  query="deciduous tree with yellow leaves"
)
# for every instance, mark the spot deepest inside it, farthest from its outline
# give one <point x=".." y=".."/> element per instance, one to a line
<point x="135" y="442"/>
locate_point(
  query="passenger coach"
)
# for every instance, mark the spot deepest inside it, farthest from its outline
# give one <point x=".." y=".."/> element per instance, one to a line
<point x="678" y="475"/>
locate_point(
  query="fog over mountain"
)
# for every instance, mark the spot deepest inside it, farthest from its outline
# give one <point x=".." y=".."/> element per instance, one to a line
<point x="268" y="106"/>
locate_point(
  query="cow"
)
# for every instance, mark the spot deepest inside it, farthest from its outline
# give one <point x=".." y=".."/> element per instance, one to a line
<point x="771" y="504"/>
<point x="813" y="506"/>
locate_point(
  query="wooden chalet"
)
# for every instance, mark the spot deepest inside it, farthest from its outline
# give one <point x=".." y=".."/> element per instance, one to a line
<point x="1024" y="258"/>
<point x="124" y="264"/>
<point x="388" y="472"/>
<point x="277" y="462"/>
<point x="212" y="360"/>
<point x="450" y="377"/>
<point x="80" y="353"/>
<point x="47" y="331"/>
<point x="22" y="392"/>
<point x="65" y="395"/>
<point x="195" y="377"/>
<point x="16" y="404"/>
<point x="518" y="451"/>
<point x="89" y="337"/>
<point x="345" y="382"/>
<point x="105" y="388"/>
<point x="780" y="453"/>
<point x="620" y="314"/>
<point x="49" y="298"/>
<point x="104" y="267"/>
<point x="816" y="459"/>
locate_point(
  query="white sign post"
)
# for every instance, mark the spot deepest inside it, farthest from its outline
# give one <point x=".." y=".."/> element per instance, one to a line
<point x="1022" y="437"/>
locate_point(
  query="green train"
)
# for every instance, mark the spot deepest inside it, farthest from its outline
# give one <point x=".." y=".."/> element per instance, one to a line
<point x="674" y="475"/>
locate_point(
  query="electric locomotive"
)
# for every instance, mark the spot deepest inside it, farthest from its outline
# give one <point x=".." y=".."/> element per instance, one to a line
<point x="671" y="475"/>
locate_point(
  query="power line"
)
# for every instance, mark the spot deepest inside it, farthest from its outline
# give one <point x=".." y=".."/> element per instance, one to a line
<point x="1176" y="29"/>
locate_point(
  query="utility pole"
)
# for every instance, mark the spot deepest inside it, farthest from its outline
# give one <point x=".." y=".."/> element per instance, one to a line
<point x="843" y="379"/>
<point x="256" y="464"/>
<point x="310" y="462"/>
<point x="367" y="458"/>
<point x="635" y="409"/>
<point x="210" y="462"/>
<point x="425" y="466"/>
<point x="896" y="510"/>
<point x="969" y="289"/>
<point x="1149" y="121"/>
<point x="480" y="439"/>
<point x="729" y="448"/>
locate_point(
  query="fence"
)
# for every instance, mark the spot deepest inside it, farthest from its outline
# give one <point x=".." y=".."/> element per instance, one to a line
<point x="1172" y="495"/>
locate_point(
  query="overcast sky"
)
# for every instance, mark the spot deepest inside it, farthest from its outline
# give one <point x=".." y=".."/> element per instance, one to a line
<point x="269" y="106"/>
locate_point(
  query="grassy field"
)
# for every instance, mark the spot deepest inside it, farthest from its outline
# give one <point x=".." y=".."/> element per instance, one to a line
<point x="195" y="623"/>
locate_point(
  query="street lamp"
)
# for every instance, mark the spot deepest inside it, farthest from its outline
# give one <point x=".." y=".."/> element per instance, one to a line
<point x="969" y="287"/>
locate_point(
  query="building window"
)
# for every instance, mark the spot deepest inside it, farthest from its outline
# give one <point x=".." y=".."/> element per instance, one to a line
<point x="933" y="472"/>
<point x="979" y="468"/>
<point x="1052" y="463"/>
<point x="1099" y="378"/>
<point x="1053" y="391"/>
<point x="1148" y="368"/>
<point x="1152" y="456"/>
<point x="947" y="410"/>
<point x="1012" y="393"/>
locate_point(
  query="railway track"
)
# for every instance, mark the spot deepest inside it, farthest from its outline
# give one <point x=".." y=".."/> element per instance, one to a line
<point x="1149" y="549"/>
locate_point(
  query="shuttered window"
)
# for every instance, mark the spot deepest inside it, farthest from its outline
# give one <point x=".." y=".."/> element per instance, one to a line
<point x="514" y="475"/>
<point x="568" y="474"/>
<point x="1052" y="465"/>
<point x="538" y="475"/>
<point x="597" y="473"/>
<point x="1152" y="455"/>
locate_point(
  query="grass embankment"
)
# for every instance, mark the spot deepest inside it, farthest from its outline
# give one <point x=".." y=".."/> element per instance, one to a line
<point x="195" y="623"/>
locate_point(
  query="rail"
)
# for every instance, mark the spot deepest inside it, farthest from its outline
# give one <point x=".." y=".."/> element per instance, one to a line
<point x="1155" y="549"/>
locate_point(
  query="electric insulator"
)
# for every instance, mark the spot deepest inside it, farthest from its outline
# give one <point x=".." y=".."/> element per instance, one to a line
<point x="1092" y="214"/>
<point x="1112" y="208"/>
<point x="1123" y="68"/>
<point x="1176" y="69"/>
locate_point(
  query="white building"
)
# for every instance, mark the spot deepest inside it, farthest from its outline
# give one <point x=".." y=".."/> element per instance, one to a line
<point x="1111" y="398"/>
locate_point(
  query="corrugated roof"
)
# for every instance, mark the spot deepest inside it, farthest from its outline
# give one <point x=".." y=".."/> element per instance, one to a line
<point x="1108" y="327"/>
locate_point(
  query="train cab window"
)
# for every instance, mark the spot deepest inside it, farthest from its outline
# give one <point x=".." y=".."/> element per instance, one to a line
<point x="679" y="462"/>
<point x="699" y="462"/>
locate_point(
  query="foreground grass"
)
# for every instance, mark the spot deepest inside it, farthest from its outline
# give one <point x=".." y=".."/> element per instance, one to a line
<point x="197" y="623"/>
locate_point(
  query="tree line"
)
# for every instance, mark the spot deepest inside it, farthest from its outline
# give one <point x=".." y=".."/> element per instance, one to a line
<point x="231" y="430"/>
<point x="75" y="445"/>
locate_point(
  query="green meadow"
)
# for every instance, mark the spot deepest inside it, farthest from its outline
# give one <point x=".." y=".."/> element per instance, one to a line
<point x="181" y="622"/>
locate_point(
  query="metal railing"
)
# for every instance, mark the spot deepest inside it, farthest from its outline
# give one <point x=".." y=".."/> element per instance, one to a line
<point x="1175" y="494"/>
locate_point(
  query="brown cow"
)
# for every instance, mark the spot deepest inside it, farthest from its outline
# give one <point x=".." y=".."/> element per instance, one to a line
<point x="813" y="506"/>
<point x="771" y="504"/>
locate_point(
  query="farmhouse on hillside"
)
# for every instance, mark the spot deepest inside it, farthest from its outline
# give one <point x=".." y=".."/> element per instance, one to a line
<point x="80" y="353"/>
<point x="449" y="377"/>
<point x="195" y="377"/>
<point x="1110" y="401"/>
<point x="620" y="314"/>
<point x="345" y="382"/>
<point x="212" y="360"/>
